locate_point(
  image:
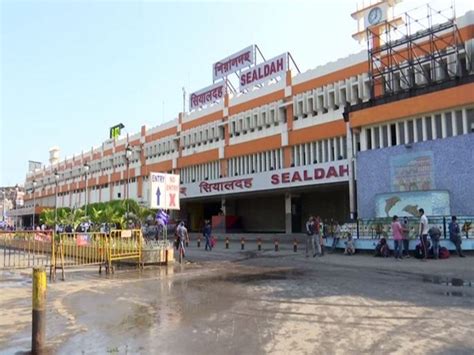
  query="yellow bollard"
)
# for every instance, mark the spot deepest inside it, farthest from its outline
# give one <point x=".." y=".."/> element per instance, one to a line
<point x="39" y="310"/>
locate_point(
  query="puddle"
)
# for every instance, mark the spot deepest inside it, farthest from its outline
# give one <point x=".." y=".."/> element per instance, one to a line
<point x="265" y="276"/>
<point x="455" y="294"/>
<point x="446" y="281"/>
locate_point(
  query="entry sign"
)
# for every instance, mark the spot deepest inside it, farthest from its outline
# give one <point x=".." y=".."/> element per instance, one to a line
<point x="164" y="191"/>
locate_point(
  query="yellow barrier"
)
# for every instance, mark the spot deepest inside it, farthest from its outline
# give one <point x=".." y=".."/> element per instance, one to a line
<point x="34" y="248"/>
<point x="124" y="245"/>
<point x="26" y="249"/>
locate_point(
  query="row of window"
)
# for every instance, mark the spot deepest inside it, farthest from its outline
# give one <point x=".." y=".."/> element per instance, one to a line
<point x="322" y="151"/>
<point x="428" y="127"/>
<point x="333" y="96"/>
<point x="257" y="119"/>
<point x="208" y="171"/>
<point x="255" y="163"/>
<point x="202" y="135"/>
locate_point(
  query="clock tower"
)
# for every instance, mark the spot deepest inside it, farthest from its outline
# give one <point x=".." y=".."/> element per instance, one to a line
<point x="372" y="18"/>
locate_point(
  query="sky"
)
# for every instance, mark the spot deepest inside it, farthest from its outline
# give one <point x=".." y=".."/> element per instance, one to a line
<point x="72" y="69"/>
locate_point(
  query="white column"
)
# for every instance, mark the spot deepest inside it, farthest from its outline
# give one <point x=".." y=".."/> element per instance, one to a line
<point x="415" y="130"/>
<point x="405" y="128"/>
<point x="444" y="131"/>
<point x="311" y="152"/>
<point x="288" y="215"/>
<point x="335" y="143"/>
<point x="454" y="123"/>
<point x="343" y="146"/>
<point x="372" y="136"/>
<point x="381" y="137"/>
<point x="307" y="154"/>
<point x="268" y="160"/>
<point x="433" y="127"/>
<point x="423" y="128"/>
<point x="245" y="165"/>
<point x="318" y="151"/>
<point x="363" y="139"/>
<point x="465" y="128"/>
<point x="301" y="147"/>
<point x="323" y="151"/>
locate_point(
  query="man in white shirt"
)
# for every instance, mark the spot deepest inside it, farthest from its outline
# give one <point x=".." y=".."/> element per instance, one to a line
<point x="423" y="232"/>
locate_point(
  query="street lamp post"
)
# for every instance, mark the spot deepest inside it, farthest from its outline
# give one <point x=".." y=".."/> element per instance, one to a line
<point x="34" y="204"/>
<point x="86" y="170"/>
<point x="15" y="218"/>
<point x="128" y="155"/>
<point x="56" y="178"/>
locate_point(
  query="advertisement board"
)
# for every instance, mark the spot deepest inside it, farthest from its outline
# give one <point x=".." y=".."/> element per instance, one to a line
<point x="434" y="203"/>
<point x="412" y="172"/>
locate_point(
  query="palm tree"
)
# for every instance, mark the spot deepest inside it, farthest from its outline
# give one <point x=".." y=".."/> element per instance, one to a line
<point x="47" y="217"/>
<point x="95" y="216"/>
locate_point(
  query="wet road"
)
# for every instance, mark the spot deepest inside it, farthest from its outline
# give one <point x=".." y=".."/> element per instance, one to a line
<point x="232" y="302"/>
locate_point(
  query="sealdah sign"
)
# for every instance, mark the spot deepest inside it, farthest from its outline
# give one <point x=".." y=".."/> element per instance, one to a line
<point x="309" y="175"/>
<point x="263" y="72"/>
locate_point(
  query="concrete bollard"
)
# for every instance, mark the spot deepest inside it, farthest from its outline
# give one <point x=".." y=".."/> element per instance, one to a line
<point x="242" y="243"/>
<point x="259" y="244"/>
<point x="199" y="242"/>
<point x="39" y="311"/>
<point x="295" y="245"/>
<point x="227" y="242"/>
<point x="276" y="245"/>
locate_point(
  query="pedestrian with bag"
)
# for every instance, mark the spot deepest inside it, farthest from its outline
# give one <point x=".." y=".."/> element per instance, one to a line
<point x="423" y="233"/>
<point x="435" y="236"/>
<point x="310" y="236"/>
<point x="207" y="235"/>
<point x="397" y="231"/>
<point x="455" y="235"/>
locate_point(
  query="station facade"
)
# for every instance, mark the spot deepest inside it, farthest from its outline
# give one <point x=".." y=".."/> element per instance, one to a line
<point x="311" y="143"/>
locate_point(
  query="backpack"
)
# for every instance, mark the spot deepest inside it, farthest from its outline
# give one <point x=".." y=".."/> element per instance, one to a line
<point x="419" y="252"/>
<point x="443" y="253"/>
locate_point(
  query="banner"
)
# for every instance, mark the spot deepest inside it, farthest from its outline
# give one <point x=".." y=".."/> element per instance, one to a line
<point x="206" y="96"/>
<point x="264" y="72"/>
<point x="315" y="174"/>
<point x="233" y="63"/>
<point x="412" y="171"/>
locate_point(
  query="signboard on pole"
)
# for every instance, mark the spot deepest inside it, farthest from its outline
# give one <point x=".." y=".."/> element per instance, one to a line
<point x="263" y="72"/>
<point x="164" y="191"/>
<point x="233" y="63"/>
<point x="206" y="96"/>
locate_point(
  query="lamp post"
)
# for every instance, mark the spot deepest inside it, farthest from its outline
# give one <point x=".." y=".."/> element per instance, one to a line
<point x="128" y="155"/>
<point x="86" y="170"/>
<point x="56" y="178"/>
<point x="15" y="218"/>
<point x="34" y="204"/>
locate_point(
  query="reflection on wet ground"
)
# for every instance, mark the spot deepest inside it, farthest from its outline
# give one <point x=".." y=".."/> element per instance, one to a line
<point x="255" y="305"/>
<point x="447" y="281"/>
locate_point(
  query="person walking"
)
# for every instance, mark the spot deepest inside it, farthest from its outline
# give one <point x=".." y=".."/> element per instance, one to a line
<point x="207" y="234"/>
<point x="319" y="237"/>
<point x="336" y="236"/>
<point x="310" y="236"/>
<point x="183" y="237"/>
<point x="397" y="231"/>
<point x="406" y="237"/>
<point x="455" y="235"/>
<point x="435" y="236"/>
<point x="423" y="233"/>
